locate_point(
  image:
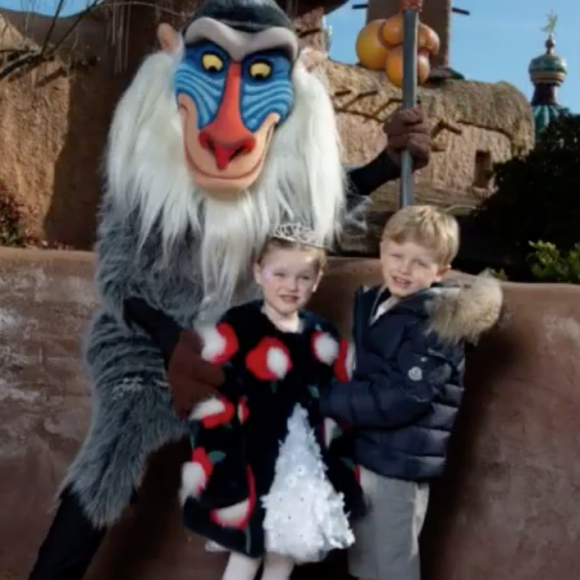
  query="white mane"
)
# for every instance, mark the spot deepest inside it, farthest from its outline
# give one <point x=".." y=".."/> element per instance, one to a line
<point x="303" y="179"/>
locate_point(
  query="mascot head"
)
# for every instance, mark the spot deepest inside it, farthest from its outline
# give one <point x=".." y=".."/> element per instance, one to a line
<point x="225" y="133"/>
<point x="233" y="88"/>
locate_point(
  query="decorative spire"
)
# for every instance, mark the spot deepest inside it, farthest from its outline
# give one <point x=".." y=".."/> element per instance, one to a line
<point x="547" y="72"/>
<point x="549" y="68"/>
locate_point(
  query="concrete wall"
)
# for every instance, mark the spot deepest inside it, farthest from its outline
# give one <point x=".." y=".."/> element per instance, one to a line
<point x="508" y="508"/>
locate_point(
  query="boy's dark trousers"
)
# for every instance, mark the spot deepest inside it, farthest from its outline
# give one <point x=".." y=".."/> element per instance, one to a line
<point x="70" y="545"/>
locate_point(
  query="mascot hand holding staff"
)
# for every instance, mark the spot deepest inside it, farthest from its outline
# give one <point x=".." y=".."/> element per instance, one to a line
<point x="222" y="135"/>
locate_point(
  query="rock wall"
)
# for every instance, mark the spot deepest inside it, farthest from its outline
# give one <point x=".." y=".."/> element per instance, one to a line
<point x="507" y="508"/>
<point x="474" y="125"/>
<point x="54" y="122"/>
<point x="459" y="174"/>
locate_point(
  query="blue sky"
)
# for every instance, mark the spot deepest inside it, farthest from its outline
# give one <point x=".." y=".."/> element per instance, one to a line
<point x="495" y="43"/>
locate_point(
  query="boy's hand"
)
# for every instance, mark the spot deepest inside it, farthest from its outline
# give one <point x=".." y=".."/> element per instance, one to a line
<point x="191" y="378"/>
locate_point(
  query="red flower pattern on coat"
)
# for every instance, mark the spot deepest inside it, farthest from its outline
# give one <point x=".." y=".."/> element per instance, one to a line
<point x="340" y="364"/>
<point x="196" y="473"/>
<point x="269" y="360"/>
<point x="199" y="455"/>
<point x="220" y="343"/>
<point x="243" y="410"/>
<point x="214" y="412"/>
<point x="237" y="516"/>
<point x="232" y="344"/>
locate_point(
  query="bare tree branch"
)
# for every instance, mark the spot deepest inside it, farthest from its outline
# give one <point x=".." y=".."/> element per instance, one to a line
<point x="27" y="60"/>
<point x="14" y="50"/>
<point x="52" y="25"/>
<point x="27" y="57"/>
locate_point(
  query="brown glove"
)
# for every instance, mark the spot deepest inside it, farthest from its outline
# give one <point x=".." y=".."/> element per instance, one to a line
<point x="191" y="378"/>
<point x="408" y="129"/>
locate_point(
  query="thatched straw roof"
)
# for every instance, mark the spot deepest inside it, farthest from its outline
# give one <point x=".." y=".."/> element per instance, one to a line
<point x="494" y="106"/>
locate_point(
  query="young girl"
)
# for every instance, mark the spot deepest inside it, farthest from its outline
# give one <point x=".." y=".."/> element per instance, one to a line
<point x="263" y="481"/>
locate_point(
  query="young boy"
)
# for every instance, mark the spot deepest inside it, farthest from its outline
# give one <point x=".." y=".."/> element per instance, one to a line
<point x="407" y="384"/>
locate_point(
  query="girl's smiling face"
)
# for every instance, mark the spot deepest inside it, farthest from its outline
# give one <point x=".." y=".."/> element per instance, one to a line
<point x="288" y="278"/>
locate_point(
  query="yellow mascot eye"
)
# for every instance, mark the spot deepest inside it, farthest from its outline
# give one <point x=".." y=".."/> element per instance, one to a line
<point x="212" y="62"/>
<point x="260" y="70"/>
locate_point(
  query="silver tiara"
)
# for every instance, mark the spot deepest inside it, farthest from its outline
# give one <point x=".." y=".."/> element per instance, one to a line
<point x="297" y="233"/>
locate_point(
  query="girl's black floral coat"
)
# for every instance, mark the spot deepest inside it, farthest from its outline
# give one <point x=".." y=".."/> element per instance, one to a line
<point x="236" y="438"/>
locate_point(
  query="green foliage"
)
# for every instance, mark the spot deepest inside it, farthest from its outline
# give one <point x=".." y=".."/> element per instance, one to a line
<point x="548" y="264"/>
<point x="499" y="274"/>
<point x="537" y="196"/>
<point x="11" y="229"/>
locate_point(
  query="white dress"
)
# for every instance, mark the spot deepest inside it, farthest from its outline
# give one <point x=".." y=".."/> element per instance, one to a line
<point x="305" y="516"/>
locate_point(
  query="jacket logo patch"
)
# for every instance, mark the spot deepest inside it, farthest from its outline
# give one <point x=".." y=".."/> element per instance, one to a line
<point x="415" y="374"/>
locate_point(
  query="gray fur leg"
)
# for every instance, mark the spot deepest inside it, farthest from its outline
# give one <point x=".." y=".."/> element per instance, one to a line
<point x="132" y="417"/>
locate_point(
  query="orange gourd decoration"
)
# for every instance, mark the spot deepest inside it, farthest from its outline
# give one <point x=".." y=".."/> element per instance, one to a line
<point x="379" y="46"/>
<point x="428" y="44"/>
<point x="394" y="66"/>
<point x="428" y="40"/>
<point x="392" y="30"/>
<point x="370" y="50"/>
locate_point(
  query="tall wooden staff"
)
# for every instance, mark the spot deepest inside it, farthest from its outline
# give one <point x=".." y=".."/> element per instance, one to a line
<point x="410" y="10"/>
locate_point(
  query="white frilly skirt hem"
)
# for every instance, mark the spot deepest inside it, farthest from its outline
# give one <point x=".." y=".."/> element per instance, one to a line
<point x="305" y="517"/>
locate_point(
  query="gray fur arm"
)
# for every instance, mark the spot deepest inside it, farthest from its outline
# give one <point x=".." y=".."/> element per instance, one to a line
<point x="116" y="256"/>
<point x="132" y="404"/>
<point x="118" y="354"/>
<point x="132" y="417"/>
<point x="169" y="282"/>
<point x="364" y="179"/>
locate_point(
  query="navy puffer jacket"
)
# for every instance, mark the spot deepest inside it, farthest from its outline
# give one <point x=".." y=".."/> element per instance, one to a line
<point x="407" y="384"/>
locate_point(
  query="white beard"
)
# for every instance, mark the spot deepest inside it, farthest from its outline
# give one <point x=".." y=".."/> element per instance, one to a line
<point x="233" y="234"/>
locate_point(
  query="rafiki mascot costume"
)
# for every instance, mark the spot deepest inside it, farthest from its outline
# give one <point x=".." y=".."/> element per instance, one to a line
<point x="222" y="135"/>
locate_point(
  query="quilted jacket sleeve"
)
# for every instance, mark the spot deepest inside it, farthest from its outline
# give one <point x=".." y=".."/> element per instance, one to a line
<point x="398" y="394"/>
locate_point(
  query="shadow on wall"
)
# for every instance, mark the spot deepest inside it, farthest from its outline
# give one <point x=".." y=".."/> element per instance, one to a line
<point x="95" y="90"/>
<point x="71" y="218"/>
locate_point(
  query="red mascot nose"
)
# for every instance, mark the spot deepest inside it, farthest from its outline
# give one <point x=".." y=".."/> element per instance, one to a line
<point x="225" y="153"/>
<point x="226" y="137"/>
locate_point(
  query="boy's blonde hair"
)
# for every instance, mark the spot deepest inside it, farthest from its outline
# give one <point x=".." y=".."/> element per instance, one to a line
<point x="427" y="226"/>
<point x="281" y="244"/>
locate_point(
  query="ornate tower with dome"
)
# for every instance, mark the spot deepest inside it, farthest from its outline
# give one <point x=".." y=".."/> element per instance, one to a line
<point x="547" y="72"/>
